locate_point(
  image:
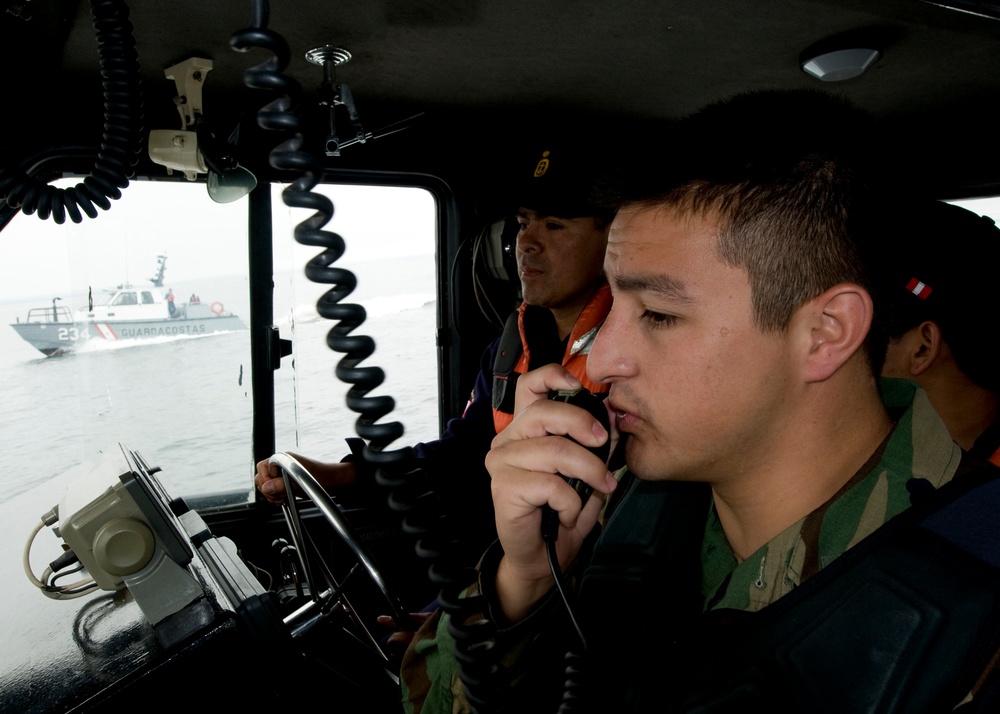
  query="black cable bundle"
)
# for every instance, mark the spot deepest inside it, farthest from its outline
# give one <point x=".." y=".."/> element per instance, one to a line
<point x="121" y="144"/>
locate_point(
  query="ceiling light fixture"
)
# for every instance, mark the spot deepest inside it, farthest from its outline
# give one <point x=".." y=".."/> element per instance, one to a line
<point x="838" y="65"/>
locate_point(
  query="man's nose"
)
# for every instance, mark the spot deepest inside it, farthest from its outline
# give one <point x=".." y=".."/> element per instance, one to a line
<point x="607" y="360"/>
<point x="529" y="239"/>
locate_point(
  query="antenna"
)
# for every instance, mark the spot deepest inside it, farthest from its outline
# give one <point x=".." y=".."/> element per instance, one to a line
<point x="161" y="267"/>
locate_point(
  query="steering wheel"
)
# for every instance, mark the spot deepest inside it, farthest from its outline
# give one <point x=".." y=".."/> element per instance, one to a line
<point x="324" y="598"/>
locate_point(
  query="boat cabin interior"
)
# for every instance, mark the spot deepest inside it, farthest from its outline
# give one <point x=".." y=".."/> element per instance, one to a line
<point x="325" y="172"/>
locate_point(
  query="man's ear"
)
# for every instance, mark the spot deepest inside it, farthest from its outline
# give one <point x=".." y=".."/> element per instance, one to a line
<point x="924" y="348"/>
<point x="832" y="328"/>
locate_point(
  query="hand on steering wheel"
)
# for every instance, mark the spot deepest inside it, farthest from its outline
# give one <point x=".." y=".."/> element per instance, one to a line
<point x="325" y="595"/>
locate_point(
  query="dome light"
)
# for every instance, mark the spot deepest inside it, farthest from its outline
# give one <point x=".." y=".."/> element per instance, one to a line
<point x="839" y="65"/>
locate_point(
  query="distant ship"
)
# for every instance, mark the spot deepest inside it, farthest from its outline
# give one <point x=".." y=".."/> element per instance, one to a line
<point x="125" y="313"/>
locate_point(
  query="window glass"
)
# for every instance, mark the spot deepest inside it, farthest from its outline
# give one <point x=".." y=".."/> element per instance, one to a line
<point x="390" y="237"/>
<point x="170" y="387"/>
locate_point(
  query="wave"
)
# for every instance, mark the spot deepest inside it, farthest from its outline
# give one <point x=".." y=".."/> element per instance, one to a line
<point x="374" y="307"/>
<point x="378" y="307"/>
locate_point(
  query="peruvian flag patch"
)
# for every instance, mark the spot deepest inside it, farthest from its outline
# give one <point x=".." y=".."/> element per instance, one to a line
<point x="918" y="288"/>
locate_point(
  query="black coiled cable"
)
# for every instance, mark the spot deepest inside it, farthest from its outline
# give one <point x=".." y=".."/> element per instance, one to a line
<point x="574" y="694"/>
<point x="121" y="143"/>
<point x="473" y="632"/>
<point x="278" y="115"/>
<point x="408" y="495"/>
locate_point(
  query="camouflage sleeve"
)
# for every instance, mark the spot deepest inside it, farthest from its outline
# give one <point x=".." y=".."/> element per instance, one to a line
<point x="428" y="671"/>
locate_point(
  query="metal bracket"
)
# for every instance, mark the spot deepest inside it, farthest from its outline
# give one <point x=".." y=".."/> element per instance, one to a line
<point x="189" y="76"/>
<point x="336" y="94"/>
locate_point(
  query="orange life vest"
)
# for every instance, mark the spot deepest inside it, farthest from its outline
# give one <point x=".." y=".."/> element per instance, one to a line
<point x="514" y="354"/>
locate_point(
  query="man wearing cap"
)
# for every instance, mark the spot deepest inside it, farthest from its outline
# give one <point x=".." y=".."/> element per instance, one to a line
<point x="943" y="299"/>
<point x="561" y="240"/>
<point x="792" y="533"/>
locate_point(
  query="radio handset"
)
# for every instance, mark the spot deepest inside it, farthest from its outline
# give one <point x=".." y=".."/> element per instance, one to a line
<point x="595" y="405"/>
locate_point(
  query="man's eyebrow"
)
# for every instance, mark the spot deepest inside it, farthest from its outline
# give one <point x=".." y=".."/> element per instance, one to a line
<point x="662" y="285"/>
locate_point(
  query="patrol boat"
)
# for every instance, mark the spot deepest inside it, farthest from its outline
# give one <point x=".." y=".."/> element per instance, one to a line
<point x="125" y="312"/>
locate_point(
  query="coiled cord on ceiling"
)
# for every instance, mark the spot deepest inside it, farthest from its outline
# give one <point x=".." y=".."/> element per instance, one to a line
<point x="395" y="472"/>
<point x="121" y="143"/>
<point x="289" y="156"/>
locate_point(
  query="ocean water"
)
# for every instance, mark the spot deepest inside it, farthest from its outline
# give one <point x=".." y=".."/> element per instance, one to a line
<point x="185" y="403"/>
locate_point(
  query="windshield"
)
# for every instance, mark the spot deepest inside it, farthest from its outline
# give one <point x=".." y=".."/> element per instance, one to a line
<point x="389" y="233"/>
<point x="168" y="386"/>
<point x="171" y="377"/>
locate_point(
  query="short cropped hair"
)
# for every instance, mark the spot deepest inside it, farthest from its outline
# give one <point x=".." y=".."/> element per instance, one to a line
<point x="788" y="177"/>
<point x="942" y="267"/>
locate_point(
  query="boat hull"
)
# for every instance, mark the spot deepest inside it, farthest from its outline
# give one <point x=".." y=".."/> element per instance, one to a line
<point x="55" y="338"/>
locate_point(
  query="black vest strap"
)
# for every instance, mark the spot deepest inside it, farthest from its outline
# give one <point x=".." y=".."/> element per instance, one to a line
<point x="905" y="621"/>
<point x="504" y="376"/>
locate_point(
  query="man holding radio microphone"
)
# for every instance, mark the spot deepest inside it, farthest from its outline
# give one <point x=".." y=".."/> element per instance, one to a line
<point x="794" y="537"/>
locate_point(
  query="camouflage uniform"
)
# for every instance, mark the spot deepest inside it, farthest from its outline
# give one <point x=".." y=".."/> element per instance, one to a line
<point x="919" y="447"/>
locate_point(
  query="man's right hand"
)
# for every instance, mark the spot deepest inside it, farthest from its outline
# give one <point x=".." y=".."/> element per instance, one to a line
<point x="330" y="476"/>
<point x="525" y="463"/>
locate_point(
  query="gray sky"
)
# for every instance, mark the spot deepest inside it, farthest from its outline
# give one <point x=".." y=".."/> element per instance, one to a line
<point x="200" y="238"/>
